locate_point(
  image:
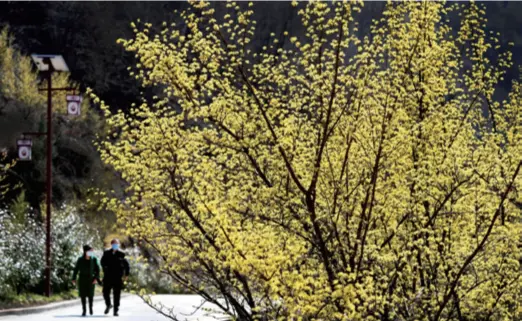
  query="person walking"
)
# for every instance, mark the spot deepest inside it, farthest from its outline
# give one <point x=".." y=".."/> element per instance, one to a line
<point x="115" y="272"/>
<point x="88" y="272"/>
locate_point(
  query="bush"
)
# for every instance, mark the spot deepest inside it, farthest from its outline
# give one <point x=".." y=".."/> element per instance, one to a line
<point x="22" y="248"/>
<point x="145" y="274"/>
<point x="32" y="299"/>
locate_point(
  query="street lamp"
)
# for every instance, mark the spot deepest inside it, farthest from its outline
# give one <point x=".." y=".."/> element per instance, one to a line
<point x="43" y="62"/>
<point x="48" y="64"/>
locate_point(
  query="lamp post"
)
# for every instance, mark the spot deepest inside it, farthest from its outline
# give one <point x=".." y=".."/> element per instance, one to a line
<point x="49" y="64"/>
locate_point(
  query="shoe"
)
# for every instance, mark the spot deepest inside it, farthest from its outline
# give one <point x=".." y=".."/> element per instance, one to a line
<point x="90" y="311"/>
<point x="107" y="309"/>
<point x="116" y="313"/>
<point x="83" y="314"/>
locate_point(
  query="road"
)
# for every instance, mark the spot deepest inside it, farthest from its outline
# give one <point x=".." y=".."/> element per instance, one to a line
<point x="132" y="309"/>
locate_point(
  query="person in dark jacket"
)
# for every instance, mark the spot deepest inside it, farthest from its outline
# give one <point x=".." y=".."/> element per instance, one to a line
<point x="88" y="270"/>
<point x="115" y="272"/>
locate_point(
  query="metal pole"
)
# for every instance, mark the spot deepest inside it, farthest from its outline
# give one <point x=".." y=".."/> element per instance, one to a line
<point x="49" y="184"/>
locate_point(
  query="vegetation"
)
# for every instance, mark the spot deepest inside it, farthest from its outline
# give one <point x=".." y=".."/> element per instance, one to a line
<point x="32" y="299"/>
<point x="4" y="169"/>
<point x="23" y="108"/>
<point x="22" y="245"/>
<point x="145" y="276"/>
<point x="316" y="169"/>
<point x="22" y="235"/>
<point x="338" y="178"/>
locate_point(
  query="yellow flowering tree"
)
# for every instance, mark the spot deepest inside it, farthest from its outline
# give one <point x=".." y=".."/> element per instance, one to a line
<point x="19" y="81"/>
<point x="337" y="178"/>
<point x="5" y="166"/>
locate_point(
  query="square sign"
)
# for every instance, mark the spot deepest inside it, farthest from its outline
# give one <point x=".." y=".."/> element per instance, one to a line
<point x="24" y="149"/>
<point x="73" y="104"/>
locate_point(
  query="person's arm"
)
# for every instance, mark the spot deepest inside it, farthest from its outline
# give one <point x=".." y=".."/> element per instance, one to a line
<point x="126" y="267"/>
<point x="96" y="269"/>
<point x="104" y="262"/>
<point x="75" y="271"/>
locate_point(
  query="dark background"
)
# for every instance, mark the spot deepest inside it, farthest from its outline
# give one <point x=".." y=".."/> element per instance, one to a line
<point x="85" y="33"/>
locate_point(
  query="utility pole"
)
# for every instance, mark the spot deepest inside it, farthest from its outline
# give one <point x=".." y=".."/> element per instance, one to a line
<point x="49" y="179"/>
<point x="48" y="64"/>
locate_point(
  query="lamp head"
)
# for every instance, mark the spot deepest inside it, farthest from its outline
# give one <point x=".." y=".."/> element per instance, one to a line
<point x="49" y="62"/>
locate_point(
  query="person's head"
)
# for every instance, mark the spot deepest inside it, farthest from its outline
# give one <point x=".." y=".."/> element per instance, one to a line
<point x="115" y="244"/>
<point x="87" y="250"/>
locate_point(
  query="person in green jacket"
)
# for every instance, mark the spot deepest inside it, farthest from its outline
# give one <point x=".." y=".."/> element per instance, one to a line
<point x="88" y="270"/>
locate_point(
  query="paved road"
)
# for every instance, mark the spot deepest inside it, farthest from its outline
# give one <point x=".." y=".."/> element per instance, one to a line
<point x="132" y="309"/>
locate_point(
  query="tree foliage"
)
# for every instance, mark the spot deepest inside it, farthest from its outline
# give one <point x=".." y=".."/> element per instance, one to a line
<point x="4" y="168"/>
<point x="342" y="178"/>
<point x="23" y="108"/>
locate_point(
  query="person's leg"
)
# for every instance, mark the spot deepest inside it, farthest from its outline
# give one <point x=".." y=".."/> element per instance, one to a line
<point x="107" y="296"/>
<point x="83" y="305"/>
<point x="117" y="294"/>
<point x="90" y="304"/>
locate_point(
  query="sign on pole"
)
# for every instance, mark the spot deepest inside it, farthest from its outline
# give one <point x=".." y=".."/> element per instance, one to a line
<point x="73" y="104"/>
<point x="24" y="149"/>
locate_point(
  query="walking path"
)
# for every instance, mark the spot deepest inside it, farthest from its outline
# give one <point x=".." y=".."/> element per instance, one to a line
<point x="132" y="309"/>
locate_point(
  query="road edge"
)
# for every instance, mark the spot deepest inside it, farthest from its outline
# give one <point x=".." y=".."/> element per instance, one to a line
<point x="48" y="307"/>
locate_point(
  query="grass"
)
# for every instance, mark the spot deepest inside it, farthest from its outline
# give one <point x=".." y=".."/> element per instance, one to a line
<point x="33" y="299"/>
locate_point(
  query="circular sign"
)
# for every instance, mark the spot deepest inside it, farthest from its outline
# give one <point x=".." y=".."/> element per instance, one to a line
<point x="72" y="108"/>
<point x="24" y="152"/>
